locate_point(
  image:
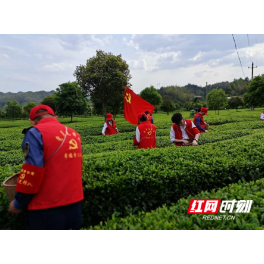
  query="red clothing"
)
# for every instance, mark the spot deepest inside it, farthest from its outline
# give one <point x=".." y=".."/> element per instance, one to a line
<point x="202" y="124"/>
<point x="190" y="131"/>
<point x="147" y="136"/>
<point x="110" y="130"/>
<point x="62" y="181"/>
<point x="149" y="117"/>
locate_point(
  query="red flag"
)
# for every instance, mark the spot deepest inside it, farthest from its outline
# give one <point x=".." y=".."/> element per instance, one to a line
<point x="133" y="105"/>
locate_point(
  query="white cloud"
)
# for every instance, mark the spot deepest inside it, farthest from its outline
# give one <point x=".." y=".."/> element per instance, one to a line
<point x="197" y="57"/>
<point x="4" y="56"/>
<point x="54" y="67"/>
<point x="137" y="65"/>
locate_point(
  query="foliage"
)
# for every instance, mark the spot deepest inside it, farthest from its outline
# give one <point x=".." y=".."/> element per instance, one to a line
<point x="104" y="78"/>
<point x="216" y="99"/>
<point x="235" y="102"/>
<point x="69" y="100"/>
<point x="50" y="101"/>
<point x="28" y="107"/>
<point x="167" y="106"/>
<point x="23" y="97"/>
<point x="175" y="217"/>
<point x="115" y="182"/>
<point x="151" y="95"/>
<point x="255" y="92"/>
<point x="13" y="109"/>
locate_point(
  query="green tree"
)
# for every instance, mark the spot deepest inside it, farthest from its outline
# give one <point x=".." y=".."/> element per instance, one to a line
<point x="255" y="92"/>
<point x="49" y="100"/>
<point x="69" y="100"/>
<point x="13" y="109"/>
<point x="28" y="107"/>
<point x="216" y="99"/>
<point x="177" y="106"/>
<point x="1" y="114"/>
<point x="151" y="95"/>
<point x="167" y="106"/>
<point x="104" y="78"/>
<point x="235" y="102"/>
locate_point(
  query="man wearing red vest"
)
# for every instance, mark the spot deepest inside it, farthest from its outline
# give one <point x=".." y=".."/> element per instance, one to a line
<point x="183" y="131"/>
<point x="145" y="133"/>
<point x="109" y="126"/>
<point x="49" y="185"/>
<point x="199" y="122"/>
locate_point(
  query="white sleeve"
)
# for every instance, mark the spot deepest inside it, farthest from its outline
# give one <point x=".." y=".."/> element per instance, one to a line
<point x="172" y="134"/>
<point x="193" y="125"/>
<point x="137" y="135"/>
<point x="104" y="128"/>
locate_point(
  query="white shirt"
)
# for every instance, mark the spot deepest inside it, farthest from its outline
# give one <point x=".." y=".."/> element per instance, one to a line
<point x="105" y="126"/>
<point x="262" y="116"/>
<point x="184" y="134"/>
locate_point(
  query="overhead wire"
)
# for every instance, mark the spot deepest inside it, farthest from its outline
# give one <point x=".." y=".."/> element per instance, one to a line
<point x="250" y="53"/>
<point x="240" y="48"/>
<point x="238" y="56"/>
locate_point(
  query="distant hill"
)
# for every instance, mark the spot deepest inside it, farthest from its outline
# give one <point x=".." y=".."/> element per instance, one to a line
<point x="23" y="97"/>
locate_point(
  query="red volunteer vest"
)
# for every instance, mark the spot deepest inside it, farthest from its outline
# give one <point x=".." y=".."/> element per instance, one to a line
<point x="147" y="136"/>
<point x="191" y="132"/>
<point x="62" y="181"/>
<point x="202" y="124"/>
<point x="110" y="130"/>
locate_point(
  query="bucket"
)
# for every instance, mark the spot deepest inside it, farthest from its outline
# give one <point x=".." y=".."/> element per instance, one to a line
<point x="10" y="186"/>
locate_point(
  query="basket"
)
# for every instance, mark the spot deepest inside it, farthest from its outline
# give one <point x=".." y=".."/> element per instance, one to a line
<point x="10" y="186"/>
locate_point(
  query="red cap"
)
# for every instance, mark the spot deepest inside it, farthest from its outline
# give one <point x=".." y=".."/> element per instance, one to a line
<point x="140" y="115"/>
<point x="109" y="117"/>
<point x="33" y="112"/>
<point x="204" y="109"/>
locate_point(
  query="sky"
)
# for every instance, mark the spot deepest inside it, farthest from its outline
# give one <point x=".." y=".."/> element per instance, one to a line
<point x="34" y="62"/>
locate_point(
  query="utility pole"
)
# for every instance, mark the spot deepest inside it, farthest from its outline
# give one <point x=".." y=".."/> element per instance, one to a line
<point x="252" y="106"/>
<point x="252" y="70"/>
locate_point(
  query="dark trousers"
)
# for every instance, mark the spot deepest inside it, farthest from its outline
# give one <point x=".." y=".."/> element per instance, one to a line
<point x="58" y="218"/>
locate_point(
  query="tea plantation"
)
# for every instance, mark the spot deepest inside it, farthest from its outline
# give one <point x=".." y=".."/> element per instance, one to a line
<point x="126" y="188"/>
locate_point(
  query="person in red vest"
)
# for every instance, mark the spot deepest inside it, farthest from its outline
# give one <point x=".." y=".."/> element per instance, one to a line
<point x="109" y="126"/>
<point x="199" y="121"/>
<point x="145" y="133"/>
<point x="149" y="116"/>
<point x="183" y="131"/>
<point x="49" y="185"/>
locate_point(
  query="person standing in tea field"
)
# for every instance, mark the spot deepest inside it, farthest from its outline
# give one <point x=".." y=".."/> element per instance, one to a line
<point x="145" y="133"/>
<point x="262" y="116"/>
<point x="149" y="116"/>
<point x="183" y="131"/>
<point x="49" y="185"/>
<point x="199" y="122"/>
<point x="109" y="126"/>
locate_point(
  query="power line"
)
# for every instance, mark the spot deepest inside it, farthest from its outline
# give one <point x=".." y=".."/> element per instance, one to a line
<point x="238" y="56"/>
<point x="240" y="47"/>
<point x="248" y="40"/>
